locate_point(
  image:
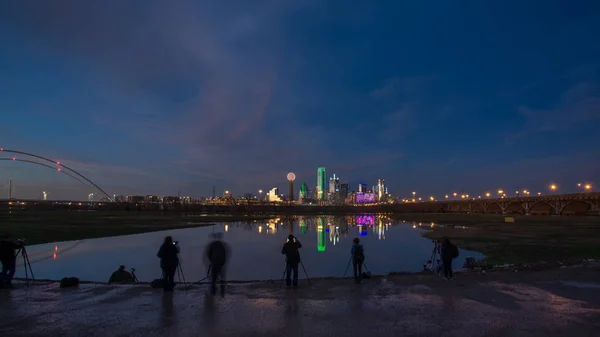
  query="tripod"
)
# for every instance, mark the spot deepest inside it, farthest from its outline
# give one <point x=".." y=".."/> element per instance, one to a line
<point x="26" y="263"/>
<point x="285" y="270"/>
<point x="180" y="275"/>
<point x="431" y="262"/>
<point x="348" y="266"/>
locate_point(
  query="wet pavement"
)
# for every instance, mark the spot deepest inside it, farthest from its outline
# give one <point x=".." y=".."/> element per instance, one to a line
<point x="559" y="302"/>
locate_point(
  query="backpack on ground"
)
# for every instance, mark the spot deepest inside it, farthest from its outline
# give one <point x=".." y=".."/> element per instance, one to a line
<point x="157" y="283"/>
<point x="69" y="282"/>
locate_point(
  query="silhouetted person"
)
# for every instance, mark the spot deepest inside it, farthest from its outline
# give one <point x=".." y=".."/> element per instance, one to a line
<point x="9" y="260"/>
<point x="358" y="258"/>
<point x="121" y="276"/>
<point x="217" y="254"/>
<point x="292" y="259"/>
<point x="448" y="252"/>
<point x="168" y="262"/>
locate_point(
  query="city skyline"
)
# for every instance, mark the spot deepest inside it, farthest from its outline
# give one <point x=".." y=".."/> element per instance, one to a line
<point x="236" y="96"/>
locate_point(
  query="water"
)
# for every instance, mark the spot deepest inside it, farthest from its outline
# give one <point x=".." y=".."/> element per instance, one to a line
<point x="255" y="246"/>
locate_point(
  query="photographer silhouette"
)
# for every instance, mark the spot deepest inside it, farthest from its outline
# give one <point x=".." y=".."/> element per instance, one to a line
<point x="168" y="262"/>
<point x="292" y="258"/>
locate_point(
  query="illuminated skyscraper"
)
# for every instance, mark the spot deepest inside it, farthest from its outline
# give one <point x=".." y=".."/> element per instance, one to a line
<point x="321" y="183"/>
<point x="381" y="191"/>
<point x="362" y="187"/>
<point x="334" y="184"/>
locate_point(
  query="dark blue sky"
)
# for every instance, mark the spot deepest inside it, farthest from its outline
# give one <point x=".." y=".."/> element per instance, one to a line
<point x="434" y="96"/>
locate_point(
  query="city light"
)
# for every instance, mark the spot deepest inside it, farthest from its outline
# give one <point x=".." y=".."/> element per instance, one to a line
<point x="500" y="192"/>
<point x="588" y="187"/>
<point x="455" y="194"/>
<point x="539" y="193"/>
<point x="553" y="187"/>
<point x="487" y="194"/>
<point x="431" y="198"/>
<point x="446" y="196"/>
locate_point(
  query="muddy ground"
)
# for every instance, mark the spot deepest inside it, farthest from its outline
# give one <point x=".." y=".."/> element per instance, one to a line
<point x="557" y="302"/>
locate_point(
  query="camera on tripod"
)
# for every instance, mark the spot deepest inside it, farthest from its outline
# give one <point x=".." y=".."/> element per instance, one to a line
<point x="175" y="242"/>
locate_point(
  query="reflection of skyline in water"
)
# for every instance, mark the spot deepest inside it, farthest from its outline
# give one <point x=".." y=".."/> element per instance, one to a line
<point x="404" y="249"/>
<point x="332" y="228"/>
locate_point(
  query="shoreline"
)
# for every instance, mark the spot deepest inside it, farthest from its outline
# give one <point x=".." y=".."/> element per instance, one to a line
<point x="458" y="271"/>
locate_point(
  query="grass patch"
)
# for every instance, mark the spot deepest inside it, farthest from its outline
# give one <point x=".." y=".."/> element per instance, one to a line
<point x="526" y="243"/>
<point x="53" y="226"/>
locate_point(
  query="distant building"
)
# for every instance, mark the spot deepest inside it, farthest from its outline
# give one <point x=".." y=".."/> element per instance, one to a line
<point x="362" y="187"/>
<point x="321" y="181"/>
<point x="273" y="195"/>
<point x="135" y="199"/>
<point x="334" y="184"/>
<point x="381" y="190"/>
<point x="344" y="190"/>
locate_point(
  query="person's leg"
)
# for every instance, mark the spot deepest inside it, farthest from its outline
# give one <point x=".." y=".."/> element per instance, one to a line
<point x="222" y="276"/>
<point x="446" y="268"/>
<point x="355" y="268"/>
<point x="360" y="265"/>
<point x="12" y="268"/>
<point x="288" y="274"/>
<point x="450" y="268"/>
<point x="165" y="278"/>
<point x="295" y="269"/>
<point x="4" y="273"/>
<point x="171" y="277"/>
<point x="216" y="270"/>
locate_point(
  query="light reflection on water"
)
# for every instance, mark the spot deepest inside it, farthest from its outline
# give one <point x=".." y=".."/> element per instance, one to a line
<point x="255" y="247"/>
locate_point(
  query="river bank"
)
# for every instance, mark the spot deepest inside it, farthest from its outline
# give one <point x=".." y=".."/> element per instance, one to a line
<point x="553" y="302"/>
<point x="38" y="227"/>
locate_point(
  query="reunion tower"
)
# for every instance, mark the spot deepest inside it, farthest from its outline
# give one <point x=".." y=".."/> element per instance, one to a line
<point x="291" y="177"/>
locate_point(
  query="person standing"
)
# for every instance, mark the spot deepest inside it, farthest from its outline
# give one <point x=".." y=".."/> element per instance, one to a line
<point x="449" y="252"/>
<point x="168" y="262"/>
<point x="292" y="259"/>
<point x="358" y="258"/>
<point x="9" y="260"/>
<point x="217" y="254"/>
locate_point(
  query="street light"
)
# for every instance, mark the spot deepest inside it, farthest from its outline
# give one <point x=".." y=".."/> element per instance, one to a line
<point x="446" y="196"/>
<point x="587" y="187"/>
<point x="553" y="187"/>
<point x="431" y="198"/>
<point x="500" y="192"/>
<point x="487" y="194"/>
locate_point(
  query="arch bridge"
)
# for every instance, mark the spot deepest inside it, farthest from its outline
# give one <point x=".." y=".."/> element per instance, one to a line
<point x="60" y="167"/>
<point x="565" y="204"/>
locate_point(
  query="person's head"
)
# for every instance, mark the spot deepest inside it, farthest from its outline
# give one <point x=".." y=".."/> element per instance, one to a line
<point x="121" y="267"/>
<point x="217" y="236"/>
<point x="168" y="240"/>
<point x="445" y="240"/>
<point x="290" y="237"/>
<point x="356" y="241"/>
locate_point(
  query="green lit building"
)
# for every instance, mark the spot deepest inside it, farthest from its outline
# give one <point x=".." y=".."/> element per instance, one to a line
<point x="321" y="184"/>
<point x="304" y="191"/>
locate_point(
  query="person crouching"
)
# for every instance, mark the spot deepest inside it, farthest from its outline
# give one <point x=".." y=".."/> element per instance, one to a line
<point x="121" y="276"/>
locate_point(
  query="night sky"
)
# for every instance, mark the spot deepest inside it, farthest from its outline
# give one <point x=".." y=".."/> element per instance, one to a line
<point x="167" y="97"/>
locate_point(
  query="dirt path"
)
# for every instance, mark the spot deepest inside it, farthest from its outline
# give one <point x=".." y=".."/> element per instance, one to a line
<point x="558" y="302"/>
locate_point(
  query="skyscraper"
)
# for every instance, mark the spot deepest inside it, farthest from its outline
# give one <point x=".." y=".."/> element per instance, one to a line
<point x="344" y="189"/>
<point x="334" y="184"/>
<point x="380" y="189"/>
<point x="362" y="187"/>
<point x="321" y="183"/>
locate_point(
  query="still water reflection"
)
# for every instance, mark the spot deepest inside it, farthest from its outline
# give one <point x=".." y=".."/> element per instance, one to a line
<point x="256" y="249"/>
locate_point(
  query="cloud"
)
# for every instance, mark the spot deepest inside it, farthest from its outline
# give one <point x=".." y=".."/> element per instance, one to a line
<point x="579" y="104"/>
<point x="396" y="86"/>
